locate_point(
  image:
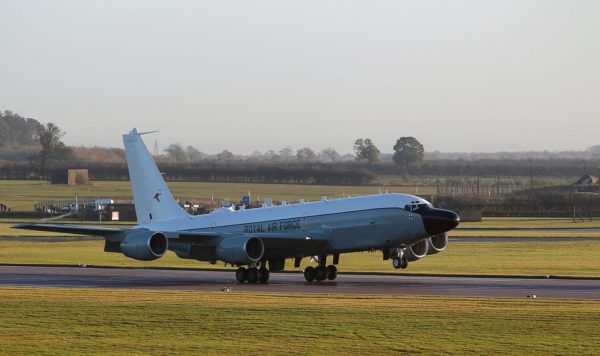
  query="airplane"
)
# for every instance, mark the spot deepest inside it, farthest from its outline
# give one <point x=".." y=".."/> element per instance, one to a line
<point x="258" y="241"/>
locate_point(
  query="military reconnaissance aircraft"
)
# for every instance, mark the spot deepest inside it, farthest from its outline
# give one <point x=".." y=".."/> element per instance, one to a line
<point x="404" y="227"/>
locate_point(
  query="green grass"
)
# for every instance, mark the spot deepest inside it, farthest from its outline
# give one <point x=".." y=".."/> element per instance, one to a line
<point x="21" y="195"/>
<point x="569" y="258"/>
<point x="530" y="223"/>
<point x="523" y="233"/>
<point x="104" y="321"/>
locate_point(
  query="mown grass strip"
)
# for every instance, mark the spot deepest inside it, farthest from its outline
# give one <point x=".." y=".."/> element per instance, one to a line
<point x="59" y="321"/>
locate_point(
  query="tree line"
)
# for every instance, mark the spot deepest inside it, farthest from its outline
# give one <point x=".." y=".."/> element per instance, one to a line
<point x="292" y="173"/>
<point x="29" y="149"/>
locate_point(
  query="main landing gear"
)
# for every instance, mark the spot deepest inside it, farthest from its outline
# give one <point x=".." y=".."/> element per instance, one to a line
<point x="321" y="273"/>
<point x="252" y="274"/>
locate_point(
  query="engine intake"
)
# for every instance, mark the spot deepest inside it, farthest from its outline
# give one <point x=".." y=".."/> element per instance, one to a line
<point x="145" y="245"/>
<point x="417" y="250"/>
<point x="437" y="243"/>
<point x="240" y="250"/>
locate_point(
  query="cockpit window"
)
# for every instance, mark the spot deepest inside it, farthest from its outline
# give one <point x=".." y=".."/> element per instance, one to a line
<point x="415" y="206"/>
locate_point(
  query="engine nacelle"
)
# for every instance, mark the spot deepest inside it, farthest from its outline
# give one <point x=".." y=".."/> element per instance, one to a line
<point x="417" y="250"/>
<point x="145" y="245"/>
<point x="240" y="250"/>
<point x="437" y="243"/>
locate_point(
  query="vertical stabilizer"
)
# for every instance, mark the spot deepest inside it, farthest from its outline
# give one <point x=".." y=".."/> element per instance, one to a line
<point x="151" y="196"/>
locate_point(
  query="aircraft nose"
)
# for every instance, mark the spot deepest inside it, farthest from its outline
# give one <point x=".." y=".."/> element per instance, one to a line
<point x="437" y="221"/>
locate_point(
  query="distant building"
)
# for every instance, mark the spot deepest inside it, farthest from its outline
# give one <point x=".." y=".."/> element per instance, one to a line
<point x="587" y="180"/>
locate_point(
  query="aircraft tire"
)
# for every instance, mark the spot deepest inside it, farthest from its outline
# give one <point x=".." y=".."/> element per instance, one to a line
<point x="252" y="275"/>
<point x="331" y="272"/>
<point x="320" y="273"/>
<point x="263" y="275"/>
<point x="309" y="274"/>
<point x="241" y="274"/>
<point x="396" y="262"/>
<point x="403" y="262"/>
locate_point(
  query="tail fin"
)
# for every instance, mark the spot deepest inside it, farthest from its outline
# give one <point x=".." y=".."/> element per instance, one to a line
<point x="151" y="196"/>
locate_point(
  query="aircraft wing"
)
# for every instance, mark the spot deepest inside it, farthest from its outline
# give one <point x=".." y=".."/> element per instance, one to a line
<point x="275" y="242"/>
<point x="72" y="229"/>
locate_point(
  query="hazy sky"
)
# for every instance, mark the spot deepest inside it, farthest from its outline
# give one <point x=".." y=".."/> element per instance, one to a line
<point x="245" y="75"/>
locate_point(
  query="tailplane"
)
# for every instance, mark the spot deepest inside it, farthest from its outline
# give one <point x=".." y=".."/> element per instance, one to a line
<point x="151" y="196"/>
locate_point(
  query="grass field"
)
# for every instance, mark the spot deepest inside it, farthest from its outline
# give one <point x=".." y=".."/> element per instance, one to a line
<point x="104" y="321"/>
<point x="569" y="258"/>
<point x="21" y="195"/>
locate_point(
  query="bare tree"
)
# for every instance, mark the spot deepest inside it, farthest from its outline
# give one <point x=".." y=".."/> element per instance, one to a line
<point x="286" y="153"/>
<point x="225" y="156"/>
<point x="177" y="152"/>
<point x="306" y="155"/>
<point x="329" y="155"/>
<point x="195" y="154"/>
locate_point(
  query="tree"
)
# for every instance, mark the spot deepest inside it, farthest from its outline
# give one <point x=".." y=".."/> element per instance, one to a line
<point x="177" y="153"/>
<point x="52" y="147"/>
<point x="271" y="156"/>
<point x="195" y="154"/>
<point x="225" y="156"/>
<point x="17" y="130"/>
<point x="365" y="149"/>
<point x="306" y="155"/>
<point x="329" y="155"/>
<point x="408" y="150"/>
<point x="286" y="153"/>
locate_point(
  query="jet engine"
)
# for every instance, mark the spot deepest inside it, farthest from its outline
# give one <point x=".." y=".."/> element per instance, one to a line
<point x="144" y="245"/>
<point x="240" y="250"/>
<point x="417" y="250"/>
<point x="437" y="243"/>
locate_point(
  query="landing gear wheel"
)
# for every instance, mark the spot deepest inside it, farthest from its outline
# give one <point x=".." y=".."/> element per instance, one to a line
<point x="400" y="262"/>
<point x="309" y="274"/>
<point x="241" y="275"/>
<point x="320" y="273"/>
<point x="403" y="262"/>
<point x="252" y="275"/>
<point x="263" y="275"/>
<point x="331" y="272"/>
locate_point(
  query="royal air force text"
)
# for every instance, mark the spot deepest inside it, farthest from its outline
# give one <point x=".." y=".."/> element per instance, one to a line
<point x="285" y="225"/>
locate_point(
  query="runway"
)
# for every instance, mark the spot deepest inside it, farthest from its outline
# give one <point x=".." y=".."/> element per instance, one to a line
<point x="79" y="277"/>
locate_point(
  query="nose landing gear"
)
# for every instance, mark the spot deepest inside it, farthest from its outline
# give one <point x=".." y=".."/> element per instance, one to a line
<point x="400" y="261"/>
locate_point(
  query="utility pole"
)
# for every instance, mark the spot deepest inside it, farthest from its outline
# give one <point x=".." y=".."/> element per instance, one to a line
<point x="498" y="182"/>
<point x="479" y="176"/>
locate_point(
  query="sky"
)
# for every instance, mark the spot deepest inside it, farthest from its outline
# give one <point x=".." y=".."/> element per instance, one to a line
<point x="458" y="75"/>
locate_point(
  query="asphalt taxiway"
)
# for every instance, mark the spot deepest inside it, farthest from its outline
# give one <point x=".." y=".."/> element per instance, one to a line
<point x="203" y="280"/>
